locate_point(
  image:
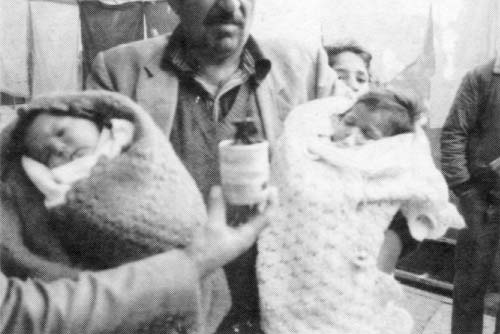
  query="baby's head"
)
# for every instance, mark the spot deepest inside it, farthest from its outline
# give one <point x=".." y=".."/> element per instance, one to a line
<point x="377" y="114"/>
<point x="54" y="138"/>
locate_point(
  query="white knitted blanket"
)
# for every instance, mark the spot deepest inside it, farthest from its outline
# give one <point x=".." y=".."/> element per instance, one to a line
<point x="317" y="261"/>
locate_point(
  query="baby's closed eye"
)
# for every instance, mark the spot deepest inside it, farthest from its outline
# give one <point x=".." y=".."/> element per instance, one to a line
<point x="81" y="152"/>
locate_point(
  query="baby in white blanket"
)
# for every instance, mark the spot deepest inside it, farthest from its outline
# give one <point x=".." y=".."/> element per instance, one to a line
<point x="341" y="180"/>
<point x="63" y="149"/>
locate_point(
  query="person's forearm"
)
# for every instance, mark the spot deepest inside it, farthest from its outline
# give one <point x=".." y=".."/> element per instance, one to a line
<point x="105" y="302"/>
<point x="389" y="252"/>
<point x="22" y="263"/>
<point x="456" y="132"/>
<point x="453" y="155"/>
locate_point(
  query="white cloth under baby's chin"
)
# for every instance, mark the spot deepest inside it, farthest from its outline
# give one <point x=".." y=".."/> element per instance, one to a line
<point x="398" y="168"/>
<point x="55" y="183"/>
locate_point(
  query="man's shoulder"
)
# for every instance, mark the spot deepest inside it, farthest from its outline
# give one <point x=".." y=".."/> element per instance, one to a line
<point x="486" y="69"/>
<point x="480" y="77"/>
<point x="140" y="51"/>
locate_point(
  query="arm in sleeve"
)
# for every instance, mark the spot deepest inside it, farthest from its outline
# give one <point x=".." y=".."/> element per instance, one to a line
<point x="117" y="300"/>
<point x="17" y="259"/>
<point x="456" y="131"/>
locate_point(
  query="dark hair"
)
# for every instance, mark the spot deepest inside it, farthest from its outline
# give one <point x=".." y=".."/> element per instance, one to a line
<point x="351" y="46"/>
<point x="405" y="110"/>
<point x="27" y="116"/>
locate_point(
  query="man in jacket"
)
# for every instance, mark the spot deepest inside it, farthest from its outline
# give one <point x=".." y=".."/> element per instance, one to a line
<point x="470" y="141"/>
<point x="123" y="299"/>
<point x="209" y="73"/>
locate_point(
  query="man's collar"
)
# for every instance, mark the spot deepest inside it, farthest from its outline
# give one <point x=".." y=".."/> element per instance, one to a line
<point x="175" y="55"/>
<point x="261" y="64"/>
<point x="253" y="60"/>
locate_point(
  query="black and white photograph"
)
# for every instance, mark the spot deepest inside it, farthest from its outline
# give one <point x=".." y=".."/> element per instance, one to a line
<point x="249" y="167"/>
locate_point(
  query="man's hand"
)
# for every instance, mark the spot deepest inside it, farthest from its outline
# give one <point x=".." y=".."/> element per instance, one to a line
<point x="217" y="244"/>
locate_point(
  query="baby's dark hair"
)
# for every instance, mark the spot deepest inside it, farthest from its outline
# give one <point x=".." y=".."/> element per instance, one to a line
<point x="350" y="46"/>
<point x="404" y="110"/>
<point x="27" y="116"/>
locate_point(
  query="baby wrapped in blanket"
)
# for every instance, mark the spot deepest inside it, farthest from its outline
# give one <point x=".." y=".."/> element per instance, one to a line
<point x="340" y="183"/>
<point x="109" y="186"/>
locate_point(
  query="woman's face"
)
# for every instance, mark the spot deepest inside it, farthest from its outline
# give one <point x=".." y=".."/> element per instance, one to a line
<point x="352" y="70"/>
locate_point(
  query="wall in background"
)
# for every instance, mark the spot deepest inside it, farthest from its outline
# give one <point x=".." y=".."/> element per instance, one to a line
<point x="291" y="19"/>
<point x="466" y="33"/>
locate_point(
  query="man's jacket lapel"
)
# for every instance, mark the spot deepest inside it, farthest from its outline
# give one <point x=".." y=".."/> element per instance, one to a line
<point x="157" y="92"/>
<point x="158" y="88"/>
<point x="267" y="104"/>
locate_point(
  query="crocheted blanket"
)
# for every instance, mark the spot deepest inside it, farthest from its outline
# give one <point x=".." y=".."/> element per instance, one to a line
<point x="139" y="203"/>
<point x="317" y="261"/>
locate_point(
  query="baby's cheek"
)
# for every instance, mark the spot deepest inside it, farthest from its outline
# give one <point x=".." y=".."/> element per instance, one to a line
<point x="359" y="137"/>
<point x="57" y="160"/>
<point x="355" y="138"/>
<point x="341" y="132"/>
<point x="350" y="136"/>
<point x="82" y="152"/>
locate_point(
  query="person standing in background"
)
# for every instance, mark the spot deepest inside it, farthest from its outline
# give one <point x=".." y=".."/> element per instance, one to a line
<point x="470" y="141"/>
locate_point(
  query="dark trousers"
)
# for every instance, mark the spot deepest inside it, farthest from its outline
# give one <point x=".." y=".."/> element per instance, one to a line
<point x="244" y="315"/>
<point x="474" y="254"/>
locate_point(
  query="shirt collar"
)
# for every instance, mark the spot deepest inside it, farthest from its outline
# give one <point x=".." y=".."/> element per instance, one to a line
<point x="253" y="61"/>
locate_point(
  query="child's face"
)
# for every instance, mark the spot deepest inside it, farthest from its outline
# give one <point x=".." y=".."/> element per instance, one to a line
<point x="361" y="124"/>
<point x="352" y="70"/>
<point x="55" y="140"/>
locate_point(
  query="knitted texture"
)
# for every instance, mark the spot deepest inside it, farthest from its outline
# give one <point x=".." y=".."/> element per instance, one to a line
<point x="317" y="261"/>
<point x="140" y="203"/>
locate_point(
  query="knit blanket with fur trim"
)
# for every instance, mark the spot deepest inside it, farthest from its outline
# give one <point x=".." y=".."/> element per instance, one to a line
<point x="317" y="261"/>
<point x="139" y="203"/>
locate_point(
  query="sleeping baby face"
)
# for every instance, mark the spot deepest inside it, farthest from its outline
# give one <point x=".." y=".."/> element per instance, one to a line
<point x="365" y="122"/>
<point x="55" y="139"/>
<point x="359" y="125"/>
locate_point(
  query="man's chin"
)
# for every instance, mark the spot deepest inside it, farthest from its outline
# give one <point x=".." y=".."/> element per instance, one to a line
<point x="226" y="46"/>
